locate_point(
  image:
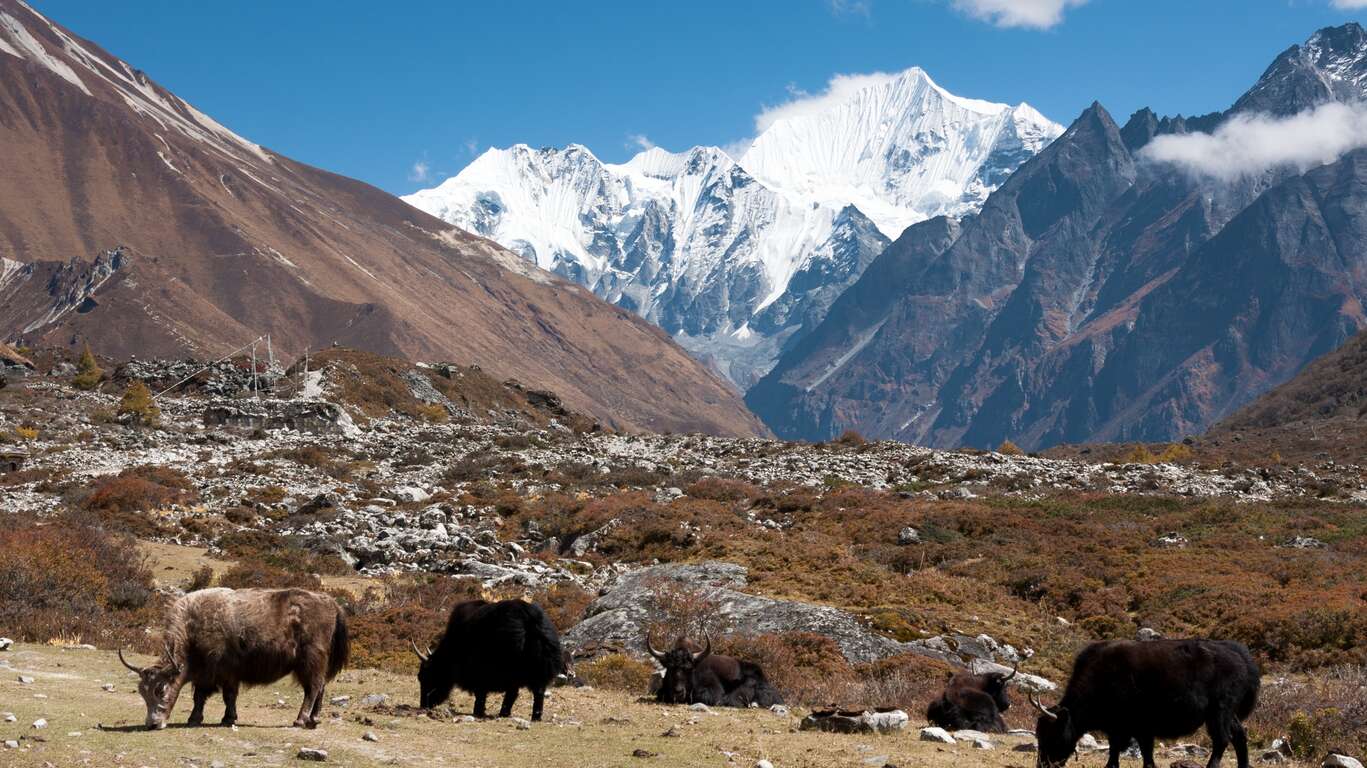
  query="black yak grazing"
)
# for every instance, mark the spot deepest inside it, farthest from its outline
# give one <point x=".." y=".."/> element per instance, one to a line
<point x="701" y="677"/>
<point x="1147" y="690"/>
<point x="491" y="647"/>
<point x="221" y="639"/>
<point x="972" y="701"/>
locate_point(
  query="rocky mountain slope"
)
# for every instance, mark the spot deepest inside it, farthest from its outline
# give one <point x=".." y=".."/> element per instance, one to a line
<point x="131" y="220"/>
<point x="738" y="258"/>
<point x="1100" y="295"/>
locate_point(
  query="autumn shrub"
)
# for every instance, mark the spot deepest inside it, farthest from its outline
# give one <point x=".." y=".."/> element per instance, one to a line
<point x="282" y="553"/>
<point x="137" y="406"/>
<point x="617" y="671"/>
<point x="404" y="609"/>
<point x="1315" y="713"/>
<point x="325" y="461"/>
<point x="683" y="611"/>
<point x="246" y="574"/>
<point x="806" y="667"/>
<point x="202" y="578"/>
<point x="565" y="604"/>
<point x="122" y="500"/>
<point x="851" y="439"/>
<point x="723" y="489"/>
<point x="69" y="578"/>
<point x="1008" y="448"/>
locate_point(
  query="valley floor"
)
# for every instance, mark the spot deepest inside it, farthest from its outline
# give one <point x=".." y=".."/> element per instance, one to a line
<point x="587" y="728"/>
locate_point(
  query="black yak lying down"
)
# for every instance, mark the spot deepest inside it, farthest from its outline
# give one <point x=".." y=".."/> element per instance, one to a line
<point x="1155" y="689"/>
<point x="702" y="677"/>
<point x="973" y="702"/>
<point x="492" y="647"/>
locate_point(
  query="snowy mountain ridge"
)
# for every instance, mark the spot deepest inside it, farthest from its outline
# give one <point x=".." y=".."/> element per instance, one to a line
<point x="735" y="257"/>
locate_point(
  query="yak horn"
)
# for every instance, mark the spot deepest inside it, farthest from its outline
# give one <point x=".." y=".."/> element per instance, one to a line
<point x="1015" y="667"/>
<point x="1043" y="709"/>
<point x="707" y="637"/>
<point x="420" y="654"/>
<point x="651" y="648"/>
<point x="126" y="664"/>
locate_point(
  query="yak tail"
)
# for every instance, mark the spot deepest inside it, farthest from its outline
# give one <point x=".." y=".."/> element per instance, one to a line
<point x="340" y="652"/>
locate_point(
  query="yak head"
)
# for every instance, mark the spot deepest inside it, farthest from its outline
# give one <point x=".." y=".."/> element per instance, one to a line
<point x="1056" y="734"/>
<point x="434" y="679"/>
<point x="679" y="663"/>
<point x="995" y="684"/>
<point x="159" y="685"/>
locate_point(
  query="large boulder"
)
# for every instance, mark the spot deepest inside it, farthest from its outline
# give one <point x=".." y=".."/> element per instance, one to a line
<point x="620" y="616"/>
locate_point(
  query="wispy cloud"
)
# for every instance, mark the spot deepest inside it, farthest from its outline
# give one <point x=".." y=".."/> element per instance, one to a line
<point x="419" y="172"/>
<point x="1349" y="5"/>
<point x="851" y="7"/>
<point x="1035" y="14"/>
<point x="838" y="89"/>
<point x="471" y="146"/>
<point x="639" y="141"/>
<point x="1248" y="145"/>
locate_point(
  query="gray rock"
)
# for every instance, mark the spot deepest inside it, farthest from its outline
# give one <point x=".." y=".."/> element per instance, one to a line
<point x="11" y="744"/>
<point x="935" y="734"/>
<point x="1146" y="634"/>
<point x="369" y="736"/>
<point x="374" y="700"/>
<point x="521" y="723"/>
<point x="620" y="616"/>
<point x="40" y="724"/>
<point x="313" y="755"/>
<point x="6" y="643"/>
<point x="1340" y="761"/>
<point x="908" y="536"/>
<point x="25" y="680"/>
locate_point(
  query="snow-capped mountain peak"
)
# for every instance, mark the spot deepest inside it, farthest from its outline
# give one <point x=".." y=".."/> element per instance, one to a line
<point x="737" y="256"/>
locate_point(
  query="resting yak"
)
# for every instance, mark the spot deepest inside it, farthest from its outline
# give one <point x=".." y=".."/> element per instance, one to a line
<point x="221" y="639"/>
<point x="487" y="647"/>
<point x="973" y="702"/>
<point x="1147" y="690"/>
<point x="701" y="677"/>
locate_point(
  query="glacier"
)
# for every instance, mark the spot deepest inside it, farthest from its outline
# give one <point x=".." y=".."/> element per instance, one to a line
<point x="738" y="257"/>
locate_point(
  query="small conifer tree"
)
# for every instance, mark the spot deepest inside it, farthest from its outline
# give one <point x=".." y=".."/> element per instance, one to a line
<point x="88" y="372"/>
<point x="138" y="406"/>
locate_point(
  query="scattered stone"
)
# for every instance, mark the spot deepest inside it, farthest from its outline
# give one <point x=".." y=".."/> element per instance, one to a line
<point x="40" y="723"/>
<point x="671" y="733"/>
<point x="779" y="709"/>
<point x="369" y="736"/>
<point x="108" y="687"/>
<point x="25" y="680"/>
<point x="340" y="701"/>
<point x="908" y="536"/>
<point x="9" y="717"/>
<point x="763" y="764"/>
<point x="699" y="707"/>
<point x="1273" y="757"/>
<point x="1335" y="760"/>
<point x="938" y="735"/>
<point x="11" y="744"/>
<point x="374" y="700"/>
<point x="643" y="753"/>
<point x="521" y="723"/>
<point x="855" y="721"/>
<point x="1088" y="743"/>
<point x="1304" y="542"/>
<point x="6" y="643"/>
<point x="1028" y="746"/>
<point x="313" y="755"/>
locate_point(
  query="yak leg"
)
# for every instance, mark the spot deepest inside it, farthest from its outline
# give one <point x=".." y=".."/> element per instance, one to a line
<point x="1219" y="739"/>
<point x="312" y="676"/>
<point x="1240" y="739"/>
<point x="479" y="703"/>
<point x="318" y="702"/>
<point x="538" y="702"/>
<point x="1119" y="743"/>
<point x="1146" y="750"/>
<point x="229" y="704"/>
<point x="201" y="694"/>
<point x="509" y="698"/>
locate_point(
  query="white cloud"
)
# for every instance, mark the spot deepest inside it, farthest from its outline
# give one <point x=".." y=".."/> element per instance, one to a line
<point x="1247" y="145"/>
<point x="419" y="172"/>
<point x="471" y="147"/>
<point x="838" y="89"/>
<point x="855" y="7"/>
<point x="1349" y="5"/>
<point x="1037" y="14"/>
<point x="639" y="141"/>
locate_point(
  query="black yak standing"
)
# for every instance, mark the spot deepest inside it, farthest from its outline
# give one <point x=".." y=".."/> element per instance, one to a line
<point x="1147" y="690"/>
<point x="491" y="647"/>
<point x="700" y="677"/>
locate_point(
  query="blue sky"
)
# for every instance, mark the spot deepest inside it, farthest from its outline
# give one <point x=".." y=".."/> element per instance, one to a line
<point x="372" y="90"/>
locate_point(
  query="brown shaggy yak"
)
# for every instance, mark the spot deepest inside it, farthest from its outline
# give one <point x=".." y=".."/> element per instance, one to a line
<point x="220" y="639"/>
